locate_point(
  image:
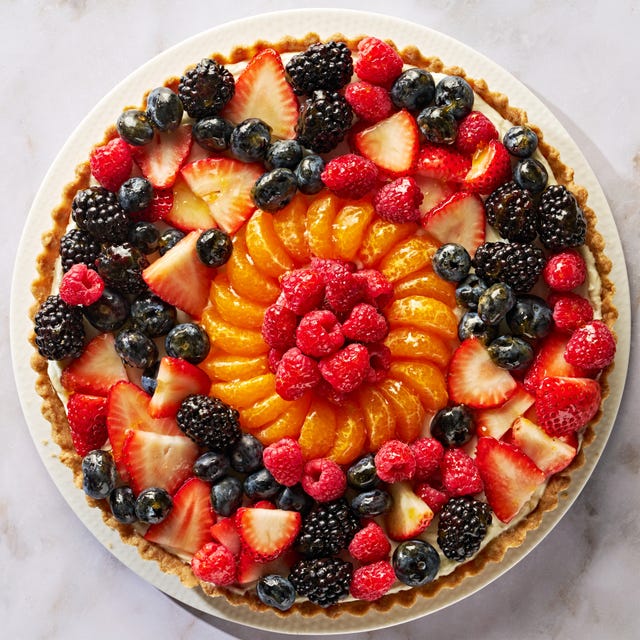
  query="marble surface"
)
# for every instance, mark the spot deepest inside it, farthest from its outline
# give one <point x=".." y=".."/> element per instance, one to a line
<point x="58" y="58"/>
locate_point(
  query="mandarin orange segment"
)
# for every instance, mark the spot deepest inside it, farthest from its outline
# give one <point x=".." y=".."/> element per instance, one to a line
<point x="232" y="308"/>
<point x="379" y="417"/>
<point x="409" y="342"/>
<point x="407" y="257"/>
<point x="349" y="227"/>
<point x="265" y="247"/>
<point x="426" y="283"/>
<point x="320" y="216"/>
<point x="225" y="367"/>
<point x="408" y="409"/>
<point x="351" y="433"/>
<point x="290" y="225"/>
<point x="263" y="412"/>
<point x="288" y="425"/>
<point x="427" y="381"/>
<point x="424" y="313"/>
<point x="318" y="429"/>
<point x="232" y="339"/>
<point x="380" y="237"/>
<point x="243" y="393"/>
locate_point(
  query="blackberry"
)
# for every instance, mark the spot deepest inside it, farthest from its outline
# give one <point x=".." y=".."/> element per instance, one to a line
<point x="327" y="66"/>
<point x="206" y="89"/>
<point x="561" y="221"/>
<point x="121" y="267"/>
<point x="59" y="330"/>
<point x="323" y="122"/>
<point x="98" y="212"/>
<point x="518" y="265"/>
<point x="209" y="422"/>
<point x="513" y="212"/>
<point x="78" y="247"/>
<point x="327" y="529"/>
<point x="323" y="581"/>
<point x="462" y="527"/>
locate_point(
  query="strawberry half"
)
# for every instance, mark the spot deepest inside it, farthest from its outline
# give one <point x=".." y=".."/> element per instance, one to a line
<point x="434" y="192"/>
<point x="267" y="533"/>
<point x="409" y="515"/>
<point x="443" y="163"/>
<point x="87" y="416"/>
<point x="490" y="167"/>
<point x="224" y="531"/>
<point x="189" y="212"/>
<point x="475" y="380"/>
<point x="496" y="422"/>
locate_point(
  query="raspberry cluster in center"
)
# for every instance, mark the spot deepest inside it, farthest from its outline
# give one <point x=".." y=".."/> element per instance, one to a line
<point x="326" y="329"/>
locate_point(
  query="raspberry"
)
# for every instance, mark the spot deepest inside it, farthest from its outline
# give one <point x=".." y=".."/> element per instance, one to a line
<point x="160" y="207"/>
<point x="592" y="346"/>
<point x="565" y="271"/>
<point x="296" y="373"/>
<point x="395" y="461"/>
<point x="350" y="176"/>
<point x="435" y="499"/>
<point x="319" y="334"/>
<point x="111" y="163"/>
<point x="283" y="459"/>
<point x="570" y="311"/>
<point x="323" y="480"/>
<point x="279" y="327"/>
<point x="365" y="324"/>
<point x="428" y="453"/>
<point x="460" y="476"/>
<point x="370" y="544"/>
<point x="378" y="62"/>
<point x="329" y="268"/>
<point x="372" y="581"/>
<point x="303" y="290"/>
<point x="81" y="286"/>
<point x="346" y="369"/>
<point x="273" y="357"/>
<point x="87" y="416"/>
<point x="474" y="130"/>
<point x="379" y="362"/>
<point x="378" y="291"/>
<point x="369" y="103"/>
<point x="399" y="201"/>
<point x="214" y="563"/>
<point x="343" y="291"/>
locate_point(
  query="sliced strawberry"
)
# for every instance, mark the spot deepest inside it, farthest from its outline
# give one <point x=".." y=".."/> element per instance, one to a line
<point x="475" y="380"/>
<point x="392" y="144"/>
<point x="189" y="212"/>
<point x="87" y="416"/>
<point x="159" y="209"/>
<point x="225" y="185"/>
<point x="459" y="219"/>
<point x="155" y="460"/>
<point x="267" y="533"/>
<point x="409" y="515"/>
<point x="496" y="422"/>
<point x="441" y="162"/>
<point x="224" y="531"/>
<point x="188" y="525"/>
<point x="549" y="454"/>
<point x="250" y="570"/>
<point x="490" y="167"/>
<point x="97" y="369"/>
<point x="161" y="159"/>
<point x="262" y="91"/>
<point x="510" y="477"/>
<point x="434" y="192"/>
<point x="180" y="278"/>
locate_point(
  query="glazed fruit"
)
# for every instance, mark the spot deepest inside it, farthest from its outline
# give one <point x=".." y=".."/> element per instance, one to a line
<point x="462" y="527"/>
<point x="415" y="562"/>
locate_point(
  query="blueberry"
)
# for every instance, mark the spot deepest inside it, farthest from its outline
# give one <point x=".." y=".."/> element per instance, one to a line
<point x="226" y="495"/>
<point x="413" y="89"/>
<point x="530" y="317"/>
<point x="520" y="141"/>
<point x="213" y="133"/>
<point x="135" y="194"/>
<point x="99" y="475"/>
<point x="452" y="262"/>
<point x="453" y="426"/>
<point x="437" y="125"/>
<point x="308" y="174"/>
<point x="188" y="341"/>
<point x="144" y="236"/>
<point x="293" y="499"/>
<point x="469" y="291"/>
<point x="276" y="591"/>
<point x="456" y="95"/>
<point x="246" y="456"/>
<point x="275" y="189"/>
<point x="169" y="238"/>
<point x="415" y="562"/>
<point x="136" y="349"/>
<point x="261" y="485"/>
<point x="214" y="247"/>
<point x="211" y="466"/>
<point x="109" y="312"/>
<point x="123" y="505"/>
<point x="496" y="302"/>
<point x="134" y="127"/>
<point x="152" y="315"/>
<point x="164" y="109"/>
<point x="511" y="353"/>
<point x="362" y="474"/>
<point x="283" y="154"/>
<point x="472" y="326"/>
<point x="148" y="379"/>
<point x="153" y="505"/>
<point x="250" y="140"/>
<point x="531" y="175"/>
<point x="371" y="503"/>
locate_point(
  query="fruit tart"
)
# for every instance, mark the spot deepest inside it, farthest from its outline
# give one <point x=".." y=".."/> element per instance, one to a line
<point x="323" y="326"/>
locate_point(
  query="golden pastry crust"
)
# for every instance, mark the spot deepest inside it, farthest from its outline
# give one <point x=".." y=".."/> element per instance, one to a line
<point x="495" y="550"/>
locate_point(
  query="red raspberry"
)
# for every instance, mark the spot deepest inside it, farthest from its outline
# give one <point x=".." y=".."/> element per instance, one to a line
<point x="379" y="362"/>
<point x="296" y="374"/>
<point x="303" y="290"/>
<point x="369" y="102"/>
<point x="399" y="201"/>
<point x="460" y="476"/>
<point x="592" y="346"/>
<point x="279" y="327"/>
<point x="330" y="393"/>
<point x="346" y="369"/>
<point x="378" y="62"/>
<point x="323" y="480"/>
<point x="432" y="497"/>
<point x="370" y="544"/>
<point x="160" y="207"/>
<point x="570" y="311"/>
<point x="395" y="461"/>
<point x="111" y="163"/>
<point x="428" y="453"/>
<point x="372" y="581"/>
<point x="274" y="356"/>
<point x="365" y="324"/>
<point x="81" y="286"/>
<point x="565" y="271"/>
<point x="214" y="563"/>
<point x="319" y="334"/>
<point x="350" y="176"/>
<point x="343" y="291"/>
<point x="329" y="268"/>
<point x="378" y="291"/>
<point x="87" y="416"/>
<point x="474" y="130"/>
<point x="283" y="459"/>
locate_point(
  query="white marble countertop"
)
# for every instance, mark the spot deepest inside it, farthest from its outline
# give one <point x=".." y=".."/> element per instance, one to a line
<point x="59" y="58"/>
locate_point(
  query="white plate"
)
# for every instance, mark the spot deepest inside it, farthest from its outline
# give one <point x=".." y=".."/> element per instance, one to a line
<point x="272" y="27"/>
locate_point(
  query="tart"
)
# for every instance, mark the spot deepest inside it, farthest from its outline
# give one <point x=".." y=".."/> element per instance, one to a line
<point x="323" y="313"/>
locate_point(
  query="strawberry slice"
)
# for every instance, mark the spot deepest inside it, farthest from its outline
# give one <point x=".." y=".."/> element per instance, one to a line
<point x="224" y="531"/>
<point x="180" y="278"/>
<point x="442" y="163"/>
<point x="409" y="515"/>
<point x="262" y="91"/>
<point x="189" y="212"/>
<point x="159" y="209"/>
<point x="434" y="192"/>
<point x="97" y="369"/>
<point x="392" y="144"/>
<point x="267" y="533"/>
<point x="459" y="219"/>
<point x="250" y="570"/>
<point x="496" y="422"/>
<point x="490" y="167"/>
<point x="176" y="379"/>
<point x="161" y="159"/>
<point x="510" y="477"/>
<point x="188" y="526"/>
<point x="155" y="460"/>
<point x="225" y="185"/>
<point x="475" y="380"/>
<point x="87" y="416"/>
